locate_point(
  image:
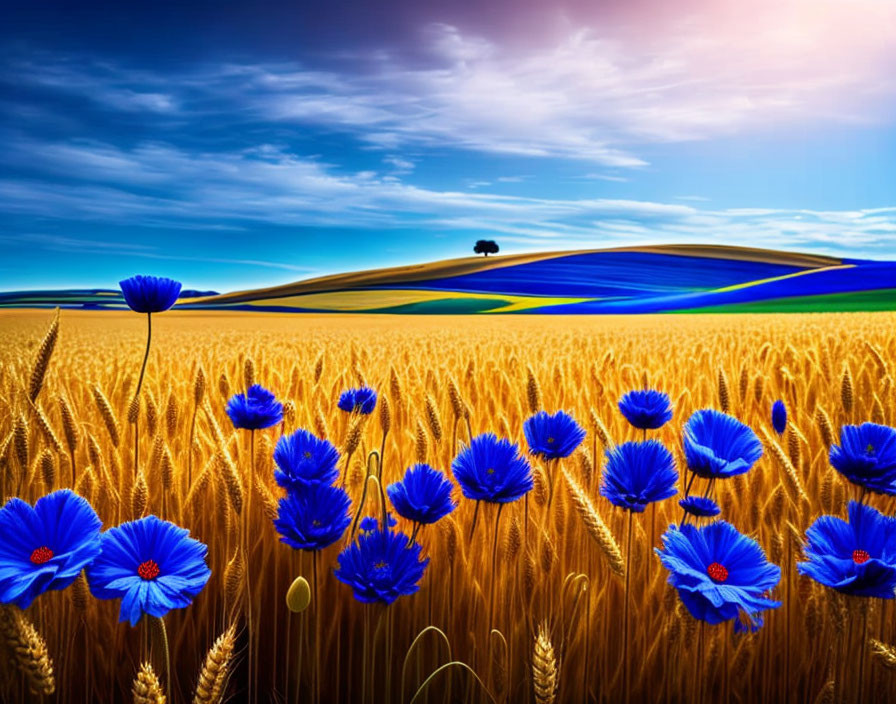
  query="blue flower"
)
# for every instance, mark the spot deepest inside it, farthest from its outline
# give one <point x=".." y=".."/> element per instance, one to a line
<point x="858" y="557"/>
<point x="867" y="456"/>
<point x="646" y="409"/>
<point x="639" y="473"/>
<point x="553" y="436"/>
<point x="381" y="566"/>
<point x="779" y="417"/>
<point x="700" y="506"/>
<point x="303" y="459"/>
<point x="423" y="496"/>
<point x="719" y="573"/>
<point x="492" y="470"/>
<point x="45" y="547"/>
<point x="369" y="523"/>
<point x="152" y="565"/>
<point x="314" y="517"/>
<point x="255" y="409"/>
<point x="361" y="400"/>
<point x="717" y="445"/>
<point x="150" y="294"/>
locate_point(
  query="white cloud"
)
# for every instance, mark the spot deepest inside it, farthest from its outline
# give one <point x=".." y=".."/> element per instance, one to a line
<point x="591" y="93"/>
<point x="160" y="185"/>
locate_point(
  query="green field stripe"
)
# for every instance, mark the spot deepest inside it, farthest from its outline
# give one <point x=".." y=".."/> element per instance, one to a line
<point x="445" y="306"/>
<point x="854" y="301"/>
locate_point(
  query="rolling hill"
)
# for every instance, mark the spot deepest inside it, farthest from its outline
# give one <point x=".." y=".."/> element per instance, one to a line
<point x="660" y="279"/>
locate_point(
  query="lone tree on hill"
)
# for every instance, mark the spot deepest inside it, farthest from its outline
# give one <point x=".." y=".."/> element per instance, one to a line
<point x="485" y="247"/>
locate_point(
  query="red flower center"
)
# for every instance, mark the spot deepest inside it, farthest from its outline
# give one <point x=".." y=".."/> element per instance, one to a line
<point x="148" y="570"/>
<point x="860" y="556"/>
<point x="41" y="555"/>
<point x="717" y="572"/>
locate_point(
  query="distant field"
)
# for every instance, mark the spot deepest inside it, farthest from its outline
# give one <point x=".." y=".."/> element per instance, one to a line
<point x="660" y="279"/>
<point x="582" y="364"/>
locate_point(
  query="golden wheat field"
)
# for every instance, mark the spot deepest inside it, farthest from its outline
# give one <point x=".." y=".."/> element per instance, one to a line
<point x="533" y="612"/>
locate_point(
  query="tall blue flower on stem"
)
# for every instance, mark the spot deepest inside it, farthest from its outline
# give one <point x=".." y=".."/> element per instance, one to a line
<point x="361" y="400"/>
<point x="253" y="410"/>
<point x="779" y="417"/>
<point x="256" y="409"/>
<point x="493" y="471"/>
<point x="381" y="565"/>
<point x="45" y="547"/>
<point x="637" y="474"/>
<point x="646" y="409"/>
<point x="152" y="565"/>
<point x="866" y="456"/>
<point x="719" y="573"/>
<point x="150" y="294"/>
<point x="313" y="517"/>
<point x="855" y="557"/>
<point x="553" y="436"/>
<point x="304" y="459"/>
<point x="146" y="294"/>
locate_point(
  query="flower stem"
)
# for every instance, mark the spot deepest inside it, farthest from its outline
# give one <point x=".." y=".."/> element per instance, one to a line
<point x="145" y="354"/>
<point x="628" y="570"/>
<point x="317" y="644"/>
<point x="137" y="392"/>
<point x="491" y="603"/>
<point x="162" y="634"/>
<point x="475" y="516"/>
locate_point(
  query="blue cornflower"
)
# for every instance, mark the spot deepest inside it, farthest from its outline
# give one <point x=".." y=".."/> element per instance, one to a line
<point x="492" y="470"/>
<point x="314" y="517"/>
<point x="255" y="409"/>
<point x="867" y="456"/>
<point x="381" y="566"/>
<point x="779" y="417"/>
<point x="717" y="445"/>
<point x="646" y="409"/>
<point x="858" y="557"/>
<point x="150" y="294"/>
<point x="719" y="573"/>
<point x="637" y="474"/>
<point x="361" y="400"/>
<point x="700" y="506"/>
<point x="423" y="495"/>
<point x="302" y="459"/>
<point x="152" y="565"/>
<point x="553" y="436"/>
<point x="45" y="547"/>
<point x="369" y="523"/>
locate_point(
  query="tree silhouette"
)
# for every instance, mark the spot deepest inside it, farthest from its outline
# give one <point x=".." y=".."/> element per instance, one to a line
<point x="485" y="247"/>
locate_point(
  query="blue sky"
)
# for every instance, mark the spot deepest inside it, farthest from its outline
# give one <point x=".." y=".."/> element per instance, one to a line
<point x="236" y="145"/>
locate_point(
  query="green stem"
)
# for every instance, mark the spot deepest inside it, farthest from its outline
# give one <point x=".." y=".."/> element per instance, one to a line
<point x="628" y="570"/>
<point x="166" y="653"/>
<point x="140" y="386"/>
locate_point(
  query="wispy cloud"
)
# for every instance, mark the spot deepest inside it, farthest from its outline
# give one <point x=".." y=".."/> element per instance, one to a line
<point x="590" y="93"/>
<point x="162" y="185"/>
<point x="82" y="245"/>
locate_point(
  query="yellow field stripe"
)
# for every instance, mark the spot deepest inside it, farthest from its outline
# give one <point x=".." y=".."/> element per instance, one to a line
<point x="359" y="301"/>
<point x="781" y="278"/>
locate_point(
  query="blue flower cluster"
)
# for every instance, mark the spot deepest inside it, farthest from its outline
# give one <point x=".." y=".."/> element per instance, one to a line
<point x="314" y="513"/>
<point x="858" y="556"/>
<point x="152" y="565"/>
